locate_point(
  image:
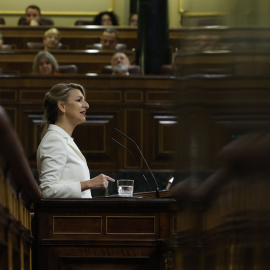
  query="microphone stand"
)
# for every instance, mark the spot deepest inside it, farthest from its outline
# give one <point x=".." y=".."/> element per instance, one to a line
<point x="157" y="188"/>
<point x="134" y="160"/>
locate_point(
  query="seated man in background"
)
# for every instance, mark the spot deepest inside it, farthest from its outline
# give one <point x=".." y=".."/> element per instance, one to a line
<point x="51" y="39"/>
<point x="109" y="39"/>
<point x="32" y="16"/>
<point x="120" y="64"/>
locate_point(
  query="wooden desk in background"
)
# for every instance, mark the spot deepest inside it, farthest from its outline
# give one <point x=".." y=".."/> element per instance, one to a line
<point x="87" y="61"/>
<point x="76" y="37"/>
<point x="182" y="38"/>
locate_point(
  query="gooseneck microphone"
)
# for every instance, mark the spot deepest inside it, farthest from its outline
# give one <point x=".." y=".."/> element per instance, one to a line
<point x="157" y="188"/>
<point x="134" y="160"/>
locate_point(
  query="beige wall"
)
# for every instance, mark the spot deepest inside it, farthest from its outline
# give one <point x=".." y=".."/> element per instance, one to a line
<point x="64" y="7"/>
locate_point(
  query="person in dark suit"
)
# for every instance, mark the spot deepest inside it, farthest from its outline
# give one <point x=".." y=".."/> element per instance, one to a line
<point x="33" y="17"/>
<point x="109" y="39"/>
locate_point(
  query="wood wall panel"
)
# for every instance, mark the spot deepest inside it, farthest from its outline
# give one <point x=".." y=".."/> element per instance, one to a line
<point x="134" y="127"/>
<point x="143" y="108"/>
<point x="28" y="95"/>
<point x="113" y="103"/>
<point x="160" y="142"/>
<point x="133" y="96"/>
<point x="94" y="139"/>
<point x="13" y="115"/>
<point x="104" y="96"/>
<point x="31" y="130"/>
<point x="8" y="95"/>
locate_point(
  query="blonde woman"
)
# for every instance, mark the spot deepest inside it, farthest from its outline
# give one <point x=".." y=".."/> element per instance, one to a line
<point x="51" y="39"/>
<point x="63" y="170"/>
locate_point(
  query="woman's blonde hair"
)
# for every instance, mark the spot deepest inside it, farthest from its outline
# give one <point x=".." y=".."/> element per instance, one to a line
<point x="53" y="61"/>
<point x="59" y="92"/>
<point x="52" y="31"/>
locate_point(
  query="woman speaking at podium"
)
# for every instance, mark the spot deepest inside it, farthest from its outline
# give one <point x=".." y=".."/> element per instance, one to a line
<point x="62" y="168"/>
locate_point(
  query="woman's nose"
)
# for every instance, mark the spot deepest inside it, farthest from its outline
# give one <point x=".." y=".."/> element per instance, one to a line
<point x="86" y="105"/>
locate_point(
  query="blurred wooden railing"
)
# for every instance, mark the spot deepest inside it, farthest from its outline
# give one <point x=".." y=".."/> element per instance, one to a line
<point x="18" y="193"/>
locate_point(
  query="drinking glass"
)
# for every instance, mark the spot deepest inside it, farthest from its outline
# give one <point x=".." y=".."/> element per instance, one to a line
<point x="125" y="187"/>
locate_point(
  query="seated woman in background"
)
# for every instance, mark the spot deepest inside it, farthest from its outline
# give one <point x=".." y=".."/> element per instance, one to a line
<point x="105" y="18"/>
<point x="133" y="20"/>
<point x="51" y="39"/>
<point x="45" y="64"/>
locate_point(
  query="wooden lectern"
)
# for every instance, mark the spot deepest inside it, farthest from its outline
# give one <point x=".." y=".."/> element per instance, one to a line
<point x="104" y="233"/>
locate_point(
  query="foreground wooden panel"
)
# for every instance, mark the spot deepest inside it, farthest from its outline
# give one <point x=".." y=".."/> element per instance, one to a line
<point x="213" y="111"/>
<point x="227" y="226"/>
<point x="18" y="191"/>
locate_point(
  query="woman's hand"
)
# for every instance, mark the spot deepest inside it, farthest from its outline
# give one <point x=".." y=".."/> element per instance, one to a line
<point x="100" y="181"/>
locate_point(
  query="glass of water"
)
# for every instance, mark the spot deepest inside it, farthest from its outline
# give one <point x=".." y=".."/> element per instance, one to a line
<point x="125" y="187"/>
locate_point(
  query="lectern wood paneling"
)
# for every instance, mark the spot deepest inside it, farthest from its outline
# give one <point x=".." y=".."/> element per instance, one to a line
<point x="104" y="233"/>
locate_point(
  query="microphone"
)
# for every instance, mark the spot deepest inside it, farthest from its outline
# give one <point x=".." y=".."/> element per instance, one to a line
<point x="134" y="160"/>
<point x="157" y="188"/>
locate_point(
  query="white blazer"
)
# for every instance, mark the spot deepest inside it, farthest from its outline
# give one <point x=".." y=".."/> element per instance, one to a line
<point x="61" y="166"/>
